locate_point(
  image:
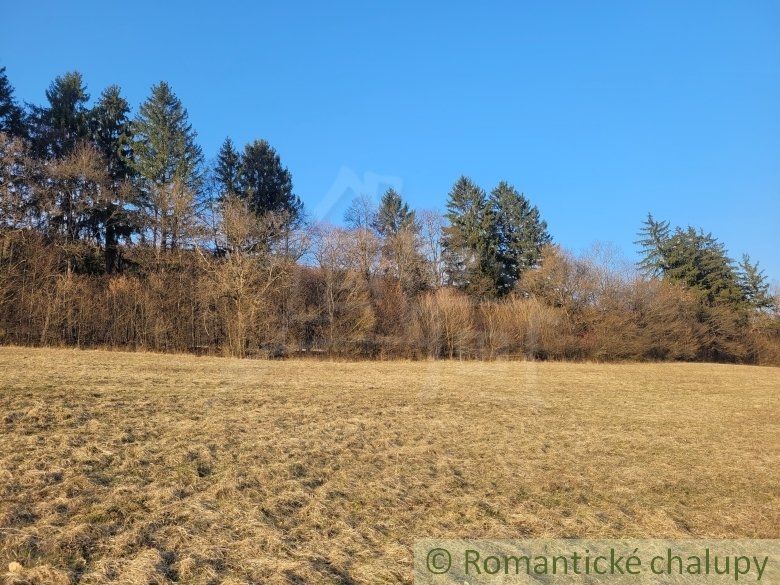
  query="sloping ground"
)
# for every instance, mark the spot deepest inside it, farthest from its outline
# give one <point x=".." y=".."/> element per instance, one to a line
<point x="136" y="468"/>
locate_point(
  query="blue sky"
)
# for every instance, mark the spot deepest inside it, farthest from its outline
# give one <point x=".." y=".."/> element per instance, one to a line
<point x="598" y="111"/>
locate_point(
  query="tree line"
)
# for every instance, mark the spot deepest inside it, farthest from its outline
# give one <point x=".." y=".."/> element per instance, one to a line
<point x="115" y="231"/>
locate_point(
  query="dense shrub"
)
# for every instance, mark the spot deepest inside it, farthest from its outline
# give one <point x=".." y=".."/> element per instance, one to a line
<point x="242" y="305"/>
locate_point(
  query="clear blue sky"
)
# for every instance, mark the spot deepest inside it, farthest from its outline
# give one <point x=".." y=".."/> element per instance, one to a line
<point x="598" y="111"/>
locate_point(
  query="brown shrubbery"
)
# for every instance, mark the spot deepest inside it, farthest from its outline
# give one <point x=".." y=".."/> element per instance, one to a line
<point x="246" y="302"/>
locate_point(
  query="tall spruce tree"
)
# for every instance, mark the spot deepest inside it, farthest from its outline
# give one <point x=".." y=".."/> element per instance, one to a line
<point x="228" y="170"/>
<point x="754" y="285"/>
<point x="401" y="242"/>
<point x="470" y="240"/>
<point x="654" y="239"/>
<point x="58" y="129"/>
<point x="266" y="184"/>
<point x="520" y="231"/>
<point x="393" y="214"/>
<point x="691" y="257"/>
<point x="111" y="133"/>
<point x="167" y="160"/>
<point x="11" y="114"/>
<point x="63" y="123"/>
<point x="699" y="260"/>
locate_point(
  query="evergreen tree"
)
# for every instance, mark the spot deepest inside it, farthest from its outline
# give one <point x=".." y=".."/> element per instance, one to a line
<point x="11" y="114"/>
<point x="111" y="133"/>
<point x="59" y="132"/>
<point x="393" y="215"/>
<point x="228" y="170"/>
<point x="691" y="257"/>
<point x="520" y="231"/>
<point x="700" y="262"/>
<point x="399" y="231"/>
<point x="167" y="160"/>
<point x="754" y="285"/>
<point x="59" y="127"/>
<point x="470" y="240"/>
<point x="266" y="184"/>
<point x="654" y="241"/>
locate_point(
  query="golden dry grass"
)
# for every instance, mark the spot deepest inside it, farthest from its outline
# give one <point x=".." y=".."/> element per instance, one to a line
<point x="135" y="468"/>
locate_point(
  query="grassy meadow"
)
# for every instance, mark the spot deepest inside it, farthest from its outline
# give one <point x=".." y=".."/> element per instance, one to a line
<point x="143" y="468"/>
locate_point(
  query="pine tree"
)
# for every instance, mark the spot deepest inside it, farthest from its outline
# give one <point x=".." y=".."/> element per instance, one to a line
<point x="654" y="241"/>
<point x="266" y="184"/>
<point x="15" y="166"/>
<point x="228" y="170"/>
<point x="167" y="160"/>
<point x="59" y="132"/>
<point x="700" y="262"/>
<point x="59" y="127"/>
<point x="399" y="230"/>
<point x="393" y="214"/>
<point x="520" y="231"/>
<point x="691" y="257"/>
<point x="11" y="114"/>
<point x="754" y="285"/>
<point x="111" y="133"/>
<point x="470" y="240"/>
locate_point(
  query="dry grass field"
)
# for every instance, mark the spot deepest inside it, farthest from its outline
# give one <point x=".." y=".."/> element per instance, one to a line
<point x="136" y="468"/>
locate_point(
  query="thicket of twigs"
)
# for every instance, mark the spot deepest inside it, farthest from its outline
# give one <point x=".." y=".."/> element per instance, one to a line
<point x="273" y="305"/>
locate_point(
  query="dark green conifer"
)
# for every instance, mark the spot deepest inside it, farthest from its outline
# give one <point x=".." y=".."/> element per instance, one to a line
<point x="393" y="214"/>
<point x="470" y="240"/>
<point x="228" y="170"/>
<point x="266" y="184"/>
<point x="111" y="133"/>
<point x="11" y="114"/>
<point x="58" y="127"/>
<point x="520" y="231"/>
